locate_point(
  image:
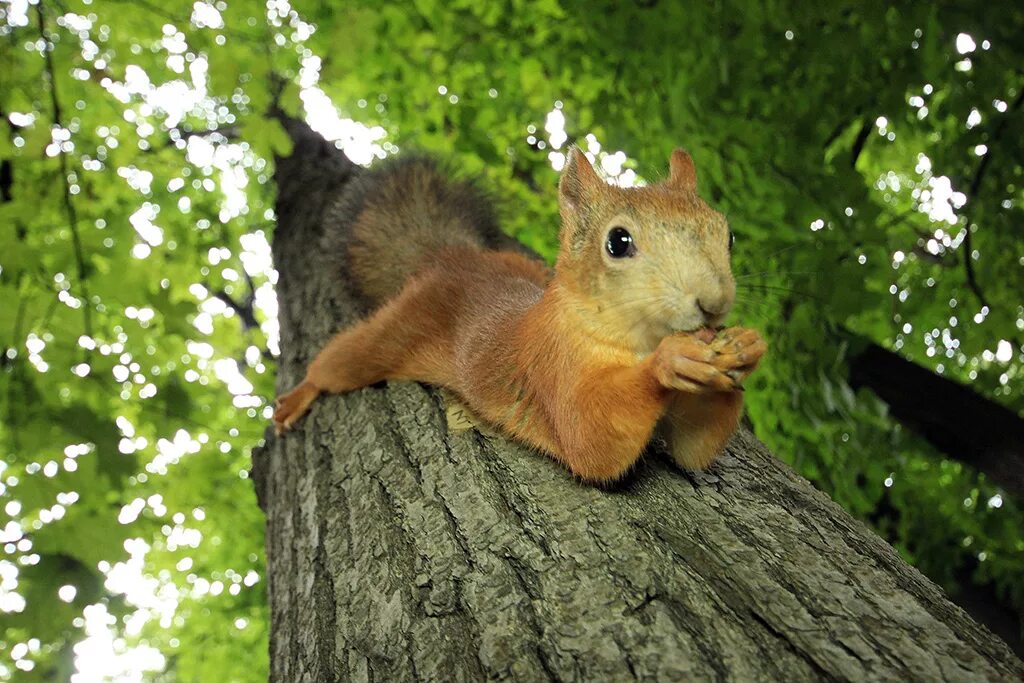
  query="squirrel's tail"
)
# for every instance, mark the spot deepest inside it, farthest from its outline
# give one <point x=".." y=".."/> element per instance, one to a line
<point x="401" y="211"/>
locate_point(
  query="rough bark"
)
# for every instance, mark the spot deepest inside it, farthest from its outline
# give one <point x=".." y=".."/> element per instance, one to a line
<point x="955" y="419"/>
<point x="398" y="550"/>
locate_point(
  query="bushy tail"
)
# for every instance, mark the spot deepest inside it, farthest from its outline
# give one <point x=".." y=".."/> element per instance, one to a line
<point x="388" y="219"/>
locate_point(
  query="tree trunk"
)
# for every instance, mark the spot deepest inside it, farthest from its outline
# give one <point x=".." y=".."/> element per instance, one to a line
<point x="398" y="550"/>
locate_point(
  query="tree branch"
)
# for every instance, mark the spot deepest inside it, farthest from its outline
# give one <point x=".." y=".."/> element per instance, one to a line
<point x="6" y="166"/>
<point x="859" y="142"/>
<point x="958" y="421"/>
<point x="243" y="309"/>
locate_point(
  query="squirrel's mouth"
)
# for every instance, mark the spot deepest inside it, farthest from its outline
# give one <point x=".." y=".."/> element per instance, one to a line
<point x="703" y="332"/>
<point x="706" y="334"/>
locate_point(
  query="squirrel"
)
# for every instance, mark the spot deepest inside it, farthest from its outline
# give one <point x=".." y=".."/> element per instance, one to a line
<point x="621" y="342"/>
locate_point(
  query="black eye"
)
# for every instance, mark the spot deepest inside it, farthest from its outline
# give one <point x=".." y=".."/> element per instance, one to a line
<point x="732" y="239"/>
<point x="620" y="243"/>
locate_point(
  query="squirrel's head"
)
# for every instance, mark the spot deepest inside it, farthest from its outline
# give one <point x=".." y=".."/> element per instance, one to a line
<point x="646" y="261"/>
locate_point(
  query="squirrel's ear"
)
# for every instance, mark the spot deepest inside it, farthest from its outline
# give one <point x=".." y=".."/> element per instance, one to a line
<point x="578" y="180"/>
<point x="682" y="173"/>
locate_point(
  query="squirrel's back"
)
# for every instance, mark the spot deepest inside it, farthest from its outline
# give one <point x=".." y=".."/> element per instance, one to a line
<point x="399" y="213"/>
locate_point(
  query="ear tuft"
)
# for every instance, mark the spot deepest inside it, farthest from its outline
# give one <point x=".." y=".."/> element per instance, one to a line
<point x="578" y="181"/>
<point x="682" y="172"/>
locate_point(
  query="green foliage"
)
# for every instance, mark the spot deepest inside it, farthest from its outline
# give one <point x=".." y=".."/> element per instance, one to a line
<point x="138" y="359"/>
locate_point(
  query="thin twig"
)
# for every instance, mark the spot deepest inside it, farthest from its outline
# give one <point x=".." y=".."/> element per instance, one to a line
<point x="231" y="132"/>
<point x="178" y="19"/>
<point x="69" y="206"/>
<point x="975" y="188"/>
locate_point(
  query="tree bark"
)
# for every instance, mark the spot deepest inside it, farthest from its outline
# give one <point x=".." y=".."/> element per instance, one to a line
<point x="398" y="550"/>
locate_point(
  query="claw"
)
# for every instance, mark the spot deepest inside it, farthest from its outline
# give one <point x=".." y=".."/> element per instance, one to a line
<point x="293" y="405"/>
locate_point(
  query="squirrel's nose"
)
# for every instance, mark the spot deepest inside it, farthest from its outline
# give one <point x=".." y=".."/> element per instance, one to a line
<point x="710" y="309"/>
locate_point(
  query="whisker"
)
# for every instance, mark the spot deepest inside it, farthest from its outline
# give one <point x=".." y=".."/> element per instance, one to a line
<point x="745" y="276"/>
<point x="770" y="289"/>
<point x="635" y="300"/>
<point x="760" y="304"/>
<point x="780" y="251"/>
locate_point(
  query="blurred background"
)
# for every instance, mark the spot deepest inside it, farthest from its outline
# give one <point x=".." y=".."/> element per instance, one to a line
<point x="868" y="157"/>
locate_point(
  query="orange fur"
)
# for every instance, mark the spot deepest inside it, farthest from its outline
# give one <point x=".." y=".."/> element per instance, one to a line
<point x="584" y="365"/>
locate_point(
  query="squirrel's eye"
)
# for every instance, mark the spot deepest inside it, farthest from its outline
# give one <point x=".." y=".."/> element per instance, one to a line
<point x="732" y="239"/>
<point x="619" y="243"/>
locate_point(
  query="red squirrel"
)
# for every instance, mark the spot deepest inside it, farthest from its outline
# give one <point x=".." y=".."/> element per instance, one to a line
<point x="584" y="363"/>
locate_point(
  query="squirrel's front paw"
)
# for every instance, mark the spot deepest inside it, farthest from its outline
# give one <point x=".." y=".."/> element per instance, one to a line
<point x="293" y="405"/>
<point x="738" y="350"/>
<point x="685" y="363"/>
